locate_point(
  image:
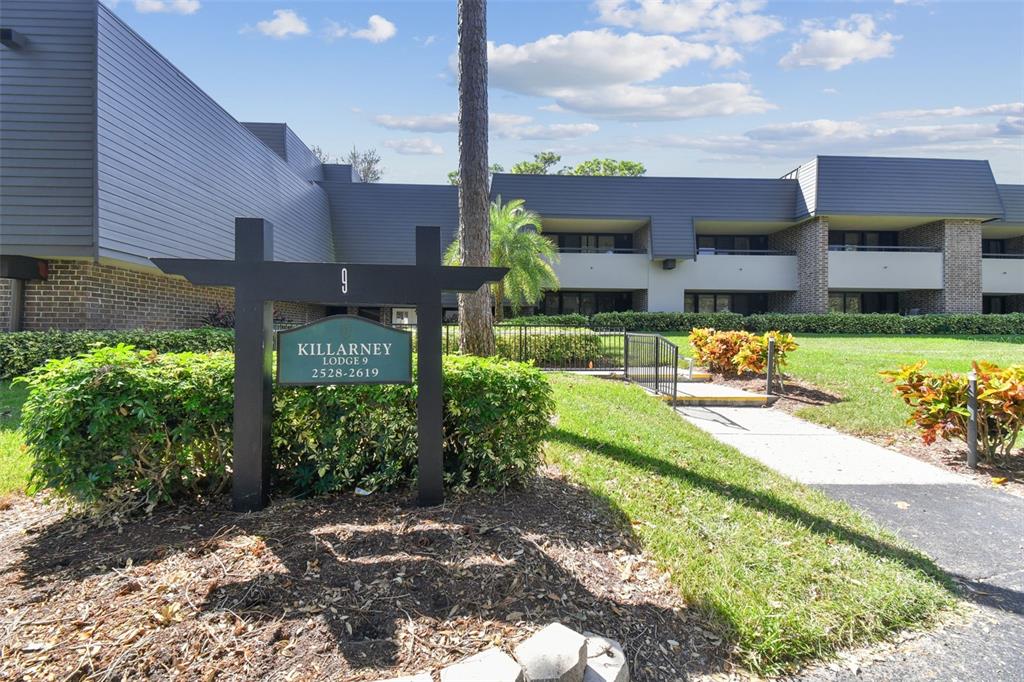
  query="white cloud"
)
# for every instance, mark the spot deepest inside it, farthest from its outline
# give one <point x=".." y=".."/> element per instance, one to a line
<point x="419" y="146"/>
<point x="652" y="103"/>
<point x="285" y="23"/>
<point x="602" y="73"/>
<point x="826" y="136"/>
<point x="378" y="29"/>
<point x="850" y="40"/>
<point x="430" y="123"/>
<point x="1007" y="109"/>
<point x="554" y="131"/>
<point x="584" y="59"/>
<point x="169" y="6"/>
<point x="726" y="21"/>
<point x="829" y="91"/>
<point x="333" y="30"/>
<point x="506" y="126"/>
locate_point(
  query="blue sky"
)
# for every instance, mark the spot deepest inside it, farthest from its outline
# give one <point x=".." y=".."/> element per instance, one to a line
<point x="689" y="87"/>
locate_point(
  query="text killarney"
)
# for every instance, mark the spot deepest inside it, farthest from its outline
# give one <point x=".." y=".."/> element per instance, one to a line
<point x="347" y="349"/>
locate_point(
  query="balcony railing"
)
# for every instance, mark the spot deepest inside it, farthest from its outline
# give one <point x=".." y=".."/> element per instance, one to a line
<point x="594" y="249"/>
<point x="743" y="252"/>
<point x="896" y="249"/>
<point x="1002" y="255"/>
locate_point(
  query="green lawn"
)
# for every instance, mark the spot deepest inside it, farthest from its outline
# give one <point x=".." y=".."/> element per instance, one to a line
<point x="848" y="366"/>
<point x="14" y="461"/>
<point x="789" y="574"/>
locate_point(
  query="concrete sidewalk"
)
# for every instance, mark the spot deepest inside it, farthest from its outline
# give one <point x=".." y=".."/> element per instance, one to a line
<point x="974" y="533"/>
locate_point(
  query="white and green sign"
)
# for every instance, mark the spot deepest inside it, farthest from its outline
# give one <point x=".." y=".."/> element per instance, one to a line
<point x="344" y="349"/>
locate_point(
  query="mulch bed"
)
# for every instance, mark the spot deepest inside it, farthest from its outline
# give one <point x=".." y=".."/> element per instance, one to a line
<point x="341" y="587"/>
<point x="951" y="455"/>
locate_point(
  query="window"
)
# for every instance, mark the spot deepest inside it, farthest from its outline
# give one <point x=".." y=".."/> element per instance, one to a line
<point x="707" y="243"/>
<point x="993" y="246"/>
<point x="403" y="316"/>
<point x="591" y="242"/>
<point x="587" y="302"/>
<point x="841" y="240"/>
<point x="744" y="304"/>
<point x="863" y="302"/>
<point x="993" y="305"/>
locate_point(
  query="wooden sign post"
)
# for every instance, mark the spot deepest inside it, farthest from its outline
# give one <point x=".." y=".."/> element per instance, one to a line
<point x="259" y="280"/>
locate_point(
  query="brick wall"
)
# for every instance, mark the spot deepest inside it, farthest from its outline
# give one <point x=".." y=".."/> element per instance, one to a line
<point x="960" y="241"/>
<point x="85" y="295"/>
<point x="5" y="304"/>
<point x="809" y="240"/>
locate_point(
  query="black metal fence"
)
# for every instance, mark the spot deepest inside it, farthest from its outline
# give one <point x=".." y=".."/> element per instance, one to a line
<point x="649" y="360"/>
<point x="549" y="346"/>
<point x="652" y="361"/>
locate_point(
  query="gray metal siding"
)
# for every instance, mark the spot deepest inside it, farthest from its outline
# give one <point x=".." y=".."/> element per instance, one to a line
<point x="300" y="158"/>
<point x="270" y="134"/>
<point x="376" y="223"/>
<point x="806" y="176"/>
<point x="860" y="185"/>
<point x="1013" y="203"/>
<point x="671" y="204"/>
<point x="48" y="129"/>
<point x="283" y="141"/>
<point x="175" y="169"/>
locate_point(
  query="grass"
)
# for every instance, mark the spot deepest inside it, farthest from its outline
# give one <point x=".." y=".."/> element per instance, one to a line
<point x="848" y="366"/>
<point x="789" y="574"/>
<point x="14" y="461"/>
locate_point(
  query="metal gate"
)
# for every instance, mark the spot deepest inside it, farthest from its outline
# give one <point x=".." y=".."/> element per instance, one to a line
<point x="652" y="361"/>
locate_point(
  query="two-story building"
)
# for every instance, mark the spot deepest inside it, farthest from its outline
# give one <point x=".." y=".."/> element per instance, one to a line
<point x="110" y="156"/>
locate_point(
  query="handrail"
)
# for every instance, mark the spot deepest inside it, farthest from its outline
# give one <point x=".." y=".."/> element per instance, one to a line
<point x="1002" y="255"/>
<point x="708" y="251"/>
<point x="585" y="249"/>
<point x="905" y="249"/>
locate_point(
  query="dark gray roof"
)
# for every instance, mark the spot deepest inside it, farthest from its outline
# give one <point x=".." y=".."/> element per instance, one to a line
<point x="865" y="185"/>
<point x="376" y="222"/>
<point x="283" y="141"/>
<point x="671" y="204"/>
<point x="1013" y="203"/>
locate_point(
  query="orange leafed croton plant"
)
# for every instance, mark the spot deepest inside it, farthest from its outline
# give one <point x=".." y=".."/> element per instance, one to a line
<point x="939" y="405"/>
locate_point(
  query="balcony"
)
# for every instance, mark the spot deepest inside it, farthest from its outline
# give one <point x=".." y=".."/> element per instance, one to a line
<point x="741" y="270"/>
<point x="620" y="269"/>
<point x="1002" y="273"/>
<point x="868" y="268"/>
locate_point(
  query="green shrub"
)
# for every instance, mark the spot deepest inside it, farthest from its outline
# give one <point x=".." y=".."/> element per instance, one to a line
<point x="940" y="405"/>
<point x="22" y="351"/>
<point x="118" y="429"/>
<point x="827" y="323"/>
<point x="123" y="429"/>
<point x="567" y="320"/>
<point x="665" y="322"/>
<point x="549" y="347"/>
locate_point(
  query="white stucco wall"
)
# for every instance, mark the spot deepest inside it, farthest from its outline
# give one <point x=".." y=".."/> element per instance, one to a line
<point x="1002" y="275"/>
<point x="884" y="270"/>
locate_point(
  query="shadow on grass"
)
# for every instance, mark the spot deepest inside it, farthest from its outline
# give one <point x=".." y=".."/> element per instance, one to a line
<point x="761" y="502"/>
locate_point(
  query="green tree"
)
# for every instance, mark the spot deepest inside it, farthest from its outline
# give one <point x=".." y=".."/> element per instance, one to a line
<point x="453" y="176"/>
<point x="540" y="165"/>
<point x="517" y="244"/>
<point x="605" y="167"/>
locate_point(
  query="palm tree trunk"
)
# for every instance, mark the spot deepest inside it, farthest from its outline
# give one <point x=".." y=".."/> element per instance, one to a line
<point x="475" y="323"/>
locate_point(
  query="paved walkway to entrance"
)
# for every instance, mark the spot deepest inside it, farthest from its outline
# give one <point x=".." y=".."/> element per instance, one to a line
<point x="974" y="533"/>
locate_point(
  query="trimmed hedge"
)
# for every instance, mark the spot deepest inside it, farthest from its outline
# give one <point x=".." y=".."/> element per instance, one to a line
<point x="119" y="430"/>
<point x="23" y="351"/>
<point x="828" y="323"/>
<point x="549" y="347"/>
